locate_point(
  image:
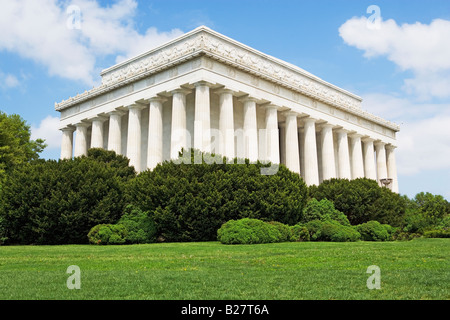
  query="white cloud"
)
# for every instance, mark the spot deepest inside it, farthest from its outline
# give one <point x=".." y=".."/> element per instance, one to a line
<point x="48" y="130"/>
<point x="8" y="81"/>
<point x="424" y="139"/>
<point x="423" y="49"/>
<point x="38" y="30"/>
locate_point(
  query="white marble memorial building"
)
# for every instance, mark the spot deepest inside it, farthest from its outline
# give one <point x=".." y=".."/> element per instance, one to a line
<point x="207" y="91"/>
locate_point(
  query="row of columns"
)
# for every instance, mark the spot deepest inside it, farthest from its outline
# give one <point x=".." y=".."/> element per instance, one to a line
<point x="355" y="159"/>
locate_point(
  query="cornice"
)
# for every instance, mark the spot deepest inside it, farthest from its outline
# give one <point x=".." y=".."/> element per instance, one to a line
<point x="204" y="41"/>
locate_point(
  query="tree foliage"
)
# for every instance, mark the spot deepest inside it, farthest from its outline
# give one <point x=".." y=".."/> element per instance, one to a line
<point x="189" y="202"/>
<point x="58" y="202"/>
<point x="16" y="146"/>
<point x="362" y="200"/>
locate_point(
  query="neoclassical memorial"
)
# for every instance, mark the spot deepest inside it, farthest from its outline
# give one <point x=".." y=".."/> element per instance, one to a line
<point x="206" y="91"/>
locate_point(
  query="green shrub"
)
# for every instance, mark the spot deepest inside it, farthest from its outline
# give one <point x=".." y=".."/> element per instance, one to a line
<point x="438" y="233"/>
<point x="58" y="202"/>
<point x="284" y="230"/>
<point x="248" y="231"/>
<point x="140" y="226"/>
<point x="331" y="231"/>
<point x="190" y="202"/>
<point x="323" y="210"/>
<point x="373" y="231"/>
<point x="362" y="200"/>
<point x="300" y="233"/>
<point x="104" y="234"/>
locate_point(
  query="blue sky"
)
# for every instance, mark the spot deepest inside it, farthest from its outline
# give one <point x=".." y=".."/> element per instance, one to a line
<point x="401" y="67"/>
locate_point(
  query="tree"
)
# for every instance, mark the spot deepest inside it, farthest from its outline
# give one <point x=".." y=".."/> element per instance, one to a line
<point x="189" y="202"/>
<point x="16" y="146"/>
<point x="58" y="202"/>
<point x="362" y="200"/>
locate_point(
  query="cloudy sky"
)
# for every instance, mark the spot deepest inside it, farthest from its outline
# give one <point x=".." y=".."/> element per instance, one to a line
<point x="395" y="54"/>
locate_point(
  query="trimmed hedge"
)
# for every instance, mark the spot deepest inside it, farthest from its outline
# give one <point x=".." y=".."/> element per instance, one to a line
<point x="107" y="234"/>
<point x="58" y="202"/>
<point x="438" y="233"/>
<point x="250" y="231"/>
<point x="374" y="231"/>
<point x="323" y="210"/>
<point x="331" y="231"/>
<point x="190" y="202"/>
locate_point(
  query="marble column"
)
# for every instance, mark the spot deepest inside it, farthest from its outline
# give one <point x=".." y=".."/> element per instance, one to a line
<point x="311" y="163"/>
<point x="134" y="136"/>
<point x="250" y="129"/>
<point x="97" y="132"/>
<point x="381" y="161"/>
<point x="282" y="142"/>
<point x="291" y="144"/>
<point x="272" y="135"/>
<point x="344" y="156"/>
<point x="67" y="143"/>
<point x="328" y="159"/>
<point x="81" y="139"/>
<point x="155" y="133"/>
<point x="392" y="167"/>
<point x="179" y="134"/>
<point x="370" y="171"/>
<point x="226" y="123"/>
<point x="115" y="131"/>
<point x="357" y="156"/>
<point x="202" y="120"/>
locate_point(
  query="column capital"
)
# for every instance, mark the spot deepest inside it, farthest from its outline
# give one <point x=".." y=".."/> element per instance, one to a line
<point x="225" y="90"/>
<point x="98" y="118"/>
<point x="116" y="113"/>
<point x="367" y="139"/>
<point x="379" y="144"/>
<point x="203" y="83"/>
<point x="271" y="106"/>
<point x="136" y="106"/>
<point x="248" y="98"/>
<point x="83" y="124"/>
<point x="355" y="135"/>
<point x="157" y="99"/>
<point x="288" y="113"/>
<point x="342" y="130"/>
<point x="390" y="147"/>
<point x="327" y="125"/>
<point x="180" y="91"/>
<point x="309" y="120"/>
<point x="68" y="129"/>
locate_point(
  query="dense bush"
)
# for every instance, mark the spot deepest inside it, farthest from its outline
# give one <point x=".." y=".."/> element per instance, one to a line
<point x="438" y="233"/>
<point x="190" y="202"/>
<point x="249" y="231"/>
<point x="323" y="210"/>
<point x="58" y="202"/>
<point x="426" y="212"/>
<point x="331" y="231"/>
<point x="362" y="200"/>
<point x="299" y="233"/>
<point x="107" y="234"/>
<point x="139" y="225"/>
<point x="374" y="231"/>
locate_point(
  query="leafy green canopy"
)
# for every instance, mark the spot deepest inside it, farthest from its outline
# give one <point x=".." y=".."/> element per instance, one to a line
<point x="189" y="202"/>
<point x="362" y="200"/>
<point x="16" y="146"/>
<point x="58" y="202"/>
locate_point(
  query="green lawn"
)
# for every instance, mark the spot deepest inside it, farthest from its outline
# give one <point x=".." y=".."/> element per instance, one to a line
<point x="416" y="269"/>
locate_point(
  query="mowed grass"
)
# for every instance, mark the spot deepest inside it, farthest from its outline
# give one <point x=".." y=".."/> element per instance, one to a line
<point x="417" y="269"/>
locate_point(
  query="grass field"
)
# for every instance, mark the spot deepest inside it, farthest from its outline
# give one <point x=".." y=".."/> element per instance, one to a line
<point x="417" y="269"/>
